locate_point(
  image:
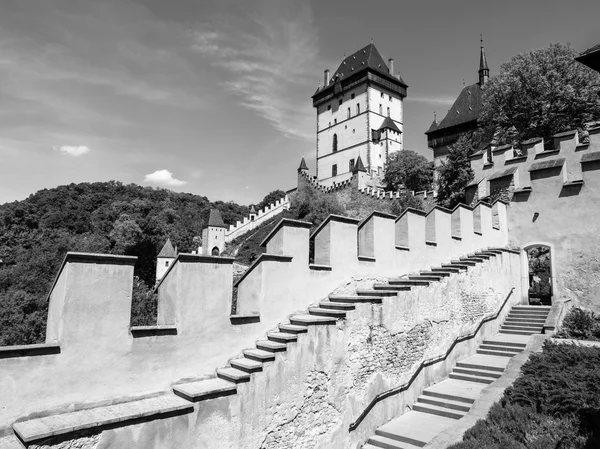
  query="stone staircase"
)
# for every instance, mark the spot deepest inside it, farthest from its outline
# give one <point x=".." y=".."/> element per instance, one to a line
<point x="442" y="406"/>
<point x="449" y="400"/>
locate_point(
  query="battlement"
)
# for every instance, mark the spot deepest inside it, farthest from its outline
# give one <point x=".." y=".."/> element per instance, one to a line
<point x="93" y="355"/>
<point x="253" y="220"/>
<point x="514" y="172"/>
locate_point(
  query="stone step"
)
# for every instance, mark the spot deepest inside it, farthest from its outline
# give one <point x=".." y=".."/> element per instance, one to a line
<point x="477" y="372"/>
<point x="205" y="389"/>
<point x="368" y="446"/>
<point x="327" y="312"/>
<point x="505" y="343"/>
<point x="446" y="269"/>
<point x="373" y="292"/>
<point x="436" y="273"/>
<point x="282" y="337"/>
<point x="293" y="329"/>
<point x="525" y="320"/>
<point x="532" y="328"/>
<point x="472" y="259"/>
<point x="233" y="375"/>
<point x="384" y="442"/>
<point x="398" y="287"/>
<point x="259" y="355"/>
<point x="455" y="265"/>
<point x="312" y="320"/>
<point x="428" y="278"/>
<point x="352" y="299"/>
<point x="455" y="390"/>
<point x="66" y="423"/>
<point x="447" y="403"/>
<point x="527" y="313"/>
<point x="484" y="256"/>
<point x="510" y="349"/>
<point x="496" y="353"/>
<point x="471" y="378"/>
<point x="476" y="366"/>
<point x="406" y="282"/>
<point x="414" y="429"/>
<point x="439" y="411"/>
<point x="470" y="263"/>
<point x="523" y="324"/>
<point x="271" y="346"/>
<point x="522" y="307"/>
<point x="336" y="305"/>
<point x="506" y="331"/>
<point x="247" y="365"/>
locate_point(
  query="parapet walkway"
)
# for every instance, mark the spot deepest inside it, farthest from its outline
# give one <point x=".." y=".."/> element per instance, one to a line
<point x="442" y="404"/>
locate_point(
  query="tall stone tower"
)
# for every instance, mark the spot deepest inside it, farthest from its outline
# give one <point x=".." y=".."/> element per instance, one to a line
<point x="165" y="259"/>
<point x="359" y="114"/>
<point x="213" y="234"/>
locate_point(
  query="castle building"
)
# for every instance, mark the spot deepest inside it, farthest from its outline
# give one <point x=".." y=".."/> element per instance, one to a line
<point x="461" y="117"/>
<point x="213" y="234"/>
<point x="165" y="259"/>
<point x="359" y="114"/>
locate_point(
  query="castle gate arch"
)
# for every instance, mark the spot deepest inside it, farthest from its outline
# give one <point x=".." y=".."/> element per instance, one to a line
<point x="538" y="279"/>
<point x="215" y="251"/>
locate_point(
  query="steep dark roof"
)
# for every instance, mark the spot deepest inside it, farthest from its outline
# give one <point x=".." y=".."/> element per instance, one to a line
<point x="482" y="60"/>
<point x="302" y="165"/>
<point x="253" y="209"/>
<point x="465" y="109"/>
<point x="359" y="166"/>
<point x="433" y="127"/>
<point x="389" y="123"/>
<point x="367" y="57"/>
<point x="591" y="58"/>
<point x="168" y="250"/>
<point x="215" y="220"/>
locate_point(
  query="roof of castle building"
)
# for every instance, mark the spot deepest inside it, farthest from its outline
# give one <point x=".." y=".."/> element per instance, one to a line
<point x="388" y="123"/>
<point x="465" y="109"/>
<point x="215" y="220"/>
<point x="168" y="250"/>
<point x="302" y="165"/>
<point x="433" y="127"/>
<point x="591" y="58"/>
<point x="359" y="166"/>
<point x="252" y="209"/>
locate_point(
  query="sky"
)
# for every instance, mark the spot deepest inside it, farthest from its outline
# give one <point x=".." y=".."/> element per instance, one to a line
<point x="212" y="97"/>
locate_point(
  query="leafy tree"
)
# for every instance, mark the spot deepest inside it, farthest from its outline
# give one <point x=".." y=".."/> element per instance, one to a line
<point x="405" y="201"/>
<point x="270" y="198"/>
<point x="538" y="94"/>
<point x="455" y="173"/>
<point x="409" y="170"/>
<point x="314" y="206"/>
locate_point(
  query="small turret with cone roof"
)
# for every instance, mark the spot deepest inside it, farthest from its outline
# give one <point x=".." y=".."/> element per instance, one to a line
<point x="484" y="71"/>
<point x="303" y="166"/>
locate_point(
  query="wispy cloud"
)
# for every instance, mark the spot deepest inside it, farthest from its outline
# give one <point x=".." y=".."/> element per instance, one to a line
<point x="163" y="178"/>
<point x="439" y="99"/>
<point x="270" y="66"/>
<point x="72" y="150"/>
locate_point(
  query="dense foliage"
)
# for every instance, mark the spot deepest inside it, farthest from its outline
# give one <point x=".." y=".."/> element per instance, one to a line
<point x="581" y="325"/>
<point x="455" y="173"/>
<point x="409" y="170"/>
<point x="554" y="403"/>
<point x="270" y="198"/>
<point x="104" y="217"/>
<point x="538" y="94"/>
<point x="540" y="282"/>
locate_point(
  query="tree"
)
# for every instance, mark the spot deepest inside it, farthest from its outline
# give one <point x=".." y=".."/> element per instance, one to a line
<point x="539" y="94"/>
<point x="409" y="170"/>
<point x="270" y="198"/>
<point x="455" y="173"/>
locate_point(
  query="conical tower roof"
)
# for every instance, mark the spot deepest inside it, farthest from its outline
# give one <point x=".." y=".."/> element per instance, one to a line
<point x="253" y="209"/>
<point x="358" y="166"/>
<point x="388" y="123"/>
<point x="303" y="165"/>
<point x="215" y="220"/>
<point x="168" y="250"/>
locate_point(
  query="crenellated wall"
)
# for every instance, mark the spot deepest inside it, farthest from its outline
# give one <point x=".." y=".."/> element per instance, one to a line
<point x="102" y="358"/>
<point x="248" y="223"/>
<point x="553" y="200"/>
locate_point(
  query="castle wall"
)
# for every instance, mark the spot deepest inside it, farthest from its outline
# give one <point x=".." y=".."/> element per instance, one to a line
<point x="247" y="224"/>
<point x="553" y="200"/>
<point x="102" y="358"/>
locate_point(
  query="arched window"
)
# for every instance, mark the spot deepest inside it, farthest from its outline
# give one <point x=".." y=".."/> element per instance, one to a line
<point x="215" y="251"/>
<point x="357" y="109"/>
<point x="348" y="113"/>
<point x="334" y="143"/>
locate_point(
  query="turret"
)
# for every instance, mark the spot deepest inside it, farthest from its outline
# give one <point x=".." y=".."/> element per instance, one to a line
<point x="484" y="71"/>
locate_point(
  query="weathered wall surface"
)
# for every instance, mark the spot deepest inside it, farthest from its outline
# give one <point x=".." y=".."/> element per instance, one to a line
<point x="309" y="396"/>
<point x="557" y="206"/>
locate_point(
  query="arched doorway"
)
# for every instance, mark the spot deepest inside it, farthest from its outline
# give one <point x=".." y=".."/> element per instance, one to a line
<point x="540" y="273"/>
<point x="215" y="251"/>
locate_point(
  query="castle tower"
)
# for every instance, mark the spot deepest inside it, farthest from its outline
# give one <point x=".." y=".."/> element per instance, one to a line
<point x="252" y="213"/>
<point x="484" y="72"/>
<point x="213" y="234"/>
<point x="359" y="114"/>
<point x="165" y="259"/>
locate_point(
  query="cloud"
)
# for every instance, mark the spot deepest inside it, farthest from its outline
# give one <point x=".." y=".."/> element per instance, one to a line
<point x="163" y="178"/>
<point x="440" y="99"/>
<point x="72" y="150"/>
<point x="270" y="65"/>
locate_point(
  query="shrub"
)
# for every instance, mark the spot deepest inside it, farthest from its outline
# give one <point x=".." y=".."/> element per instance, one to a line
<point x="580" y="324"/>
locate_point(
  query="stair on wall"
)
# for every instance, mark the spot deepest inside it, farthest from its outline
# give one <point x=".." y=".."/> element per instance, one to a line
<point x="442" y="404"/>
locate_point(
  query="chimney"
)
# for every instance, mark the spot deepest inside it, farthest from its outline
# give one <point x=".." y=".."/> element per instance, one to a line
<point x="391" y="66"/>
<point x="326" y="78"/>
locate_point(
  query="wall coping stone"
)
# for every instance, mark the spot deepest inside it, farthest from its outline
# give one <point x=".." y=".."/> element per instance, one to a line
<point x="462" y="206"/>
<point x="264" y="257"/>
<point x="73" y="256"/>
<point x="594" y="130"/>
<point x="441" y="209"/>
<point x="285" y="222"/>
<point x="532" y="141"/>
<point x="246" y="318"/>
<point x="547" y="153"/>
<point x="195" y="258"/>
<point x="366" y="259"/>
<point x="515" y="160"/>
<point x="336" y="218"/>
<point x="501" y="148"/>
<point x="570" y="132"/>
<point x="376" y="213"/>
<point x="590" y="157"/>
<point x="402" y="248"/>
<point x="414" y="211"/>
<point x="544" y="165"/>
<point x="316" y="267"/>
<point x="38" y="349"/>
<point x="153" y="331"/>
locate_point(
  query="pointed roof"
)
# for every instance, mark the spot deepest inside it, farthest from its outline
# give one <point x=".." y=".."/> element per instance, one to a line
<point x="465" y="109"/>
<point x="434" y="125"/>
<point x="168" y="250"/>
<point x="253" y="209"/>
<point x="358" y="166"/>
<point x="302" y="165"/>
<point x="590" y="58"/>
<point x="482" y="60"/>
<point x="215" y="220"/>
<point x="388" y="123"/>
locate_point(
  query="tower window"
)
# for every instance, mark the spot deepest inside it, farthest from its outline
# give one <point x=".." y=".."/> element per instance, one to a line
<point x="348" y="112"/>
<point x="340" y="102"/>
<point x="380" y="110"/>
<point x="351" y="165"/>
<point x="390" y="97"/>
<point x="334" y="170"/>
<point x="335" y="121"/>
<point x="334" y="143"/>
<point x="329" y="107"/>
<point x="166" y="263"/>
<point x="357" y="109"/>
<point x="381" y="94"/>
<point x="352" y="96"/>
<point x="388" y="111"/>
